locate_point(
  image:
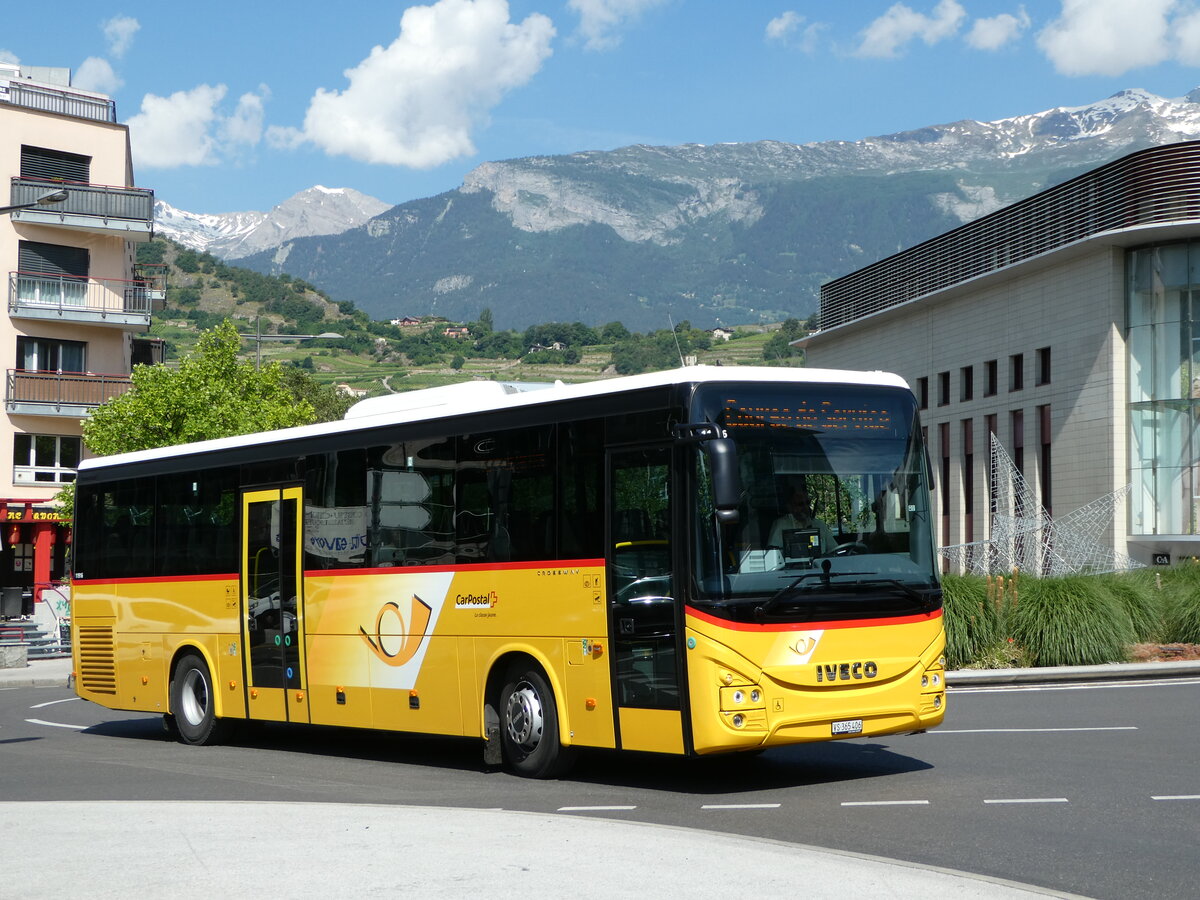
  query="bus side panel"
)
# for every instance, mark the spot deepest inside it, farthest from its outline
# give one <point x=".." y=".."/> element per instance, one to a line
<point x="789" y="685"/>
<point x="126" y="633"/>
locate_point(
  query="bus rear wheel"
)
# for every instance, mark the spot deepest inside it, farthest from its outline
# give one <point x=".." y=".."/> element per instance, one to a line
<point x="193" y="703"/>
<point x="529" y="725"/>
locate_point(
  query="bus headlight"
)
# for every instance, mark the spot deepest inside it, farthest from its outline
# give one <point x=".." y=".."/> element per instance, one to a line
<point x="739" y="720"/>
<point x="739" y="697"/>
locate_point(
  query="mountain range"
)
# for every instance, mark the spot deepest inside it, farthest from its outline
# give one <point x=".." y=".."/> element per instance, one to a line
<point x="316" y="211"/>
<point x="720" y="234"/>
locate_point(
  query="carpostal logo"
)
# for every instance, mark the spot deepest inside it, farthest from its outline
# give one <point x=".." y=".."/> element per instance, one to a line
<point x="476" y="601"/>
<point x="399" y="643"/>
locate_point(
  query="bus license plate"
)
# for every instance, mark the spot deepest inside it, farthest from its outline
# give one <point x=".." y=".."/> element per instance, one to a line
<point x="849" y="726"/>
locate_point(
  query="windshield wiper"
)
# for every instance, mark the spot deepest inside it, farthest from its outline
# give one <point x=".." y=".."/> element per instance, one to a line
<point x="763" y="608"/>
<point x="927" y="598"/>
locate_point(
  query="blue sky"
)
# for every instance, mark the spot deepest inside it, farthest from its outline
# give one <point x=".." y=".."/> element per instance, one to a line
<point x="237" y="106"/>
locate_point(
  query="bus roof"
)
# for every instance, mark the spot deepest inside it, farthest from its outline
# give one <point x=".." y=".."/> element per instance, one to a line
<point x="467" y="398"/>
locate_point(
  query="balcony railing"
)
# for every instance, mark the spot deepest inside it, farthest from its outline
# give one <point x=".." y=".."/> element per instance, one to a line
<point x="63" y="298"/>
<point x="72" y="394"/>
<point x="64" y="101"/>
<point x="88" y="207"/>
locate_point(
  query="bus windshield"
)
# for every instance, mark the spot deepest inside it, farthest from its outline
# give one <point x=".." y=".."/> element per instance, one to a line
<point x="834" y="520"/>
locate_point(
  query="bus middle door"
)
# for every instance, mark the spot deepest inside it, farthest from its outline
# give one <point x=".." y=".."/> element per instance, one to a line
<point x="273" y="605"/>
<point x="643" y="625"/>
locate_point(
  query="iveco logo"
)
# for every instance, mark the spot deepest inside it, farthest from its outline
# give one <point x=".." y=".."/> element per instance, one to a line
<point x="847" y="671"/>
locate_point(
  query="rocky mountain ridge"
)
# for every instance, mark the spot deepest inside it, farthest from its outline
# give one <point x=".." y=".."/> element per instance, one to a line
<point x="316" y="211"/>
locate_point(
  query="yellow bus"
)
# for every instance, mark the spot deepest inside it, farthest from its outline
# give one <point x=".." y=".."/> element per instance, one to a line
<point x="542" y="567"/>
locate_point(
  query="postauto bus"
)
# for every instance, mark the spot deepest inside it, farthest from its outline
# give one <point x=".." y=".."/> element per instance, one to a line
<point x="540" y="567"/>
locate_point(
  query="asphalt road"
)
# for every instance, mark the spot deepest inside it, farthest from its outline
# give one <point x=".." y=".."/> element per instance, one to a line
<point x="1091" y="789"/>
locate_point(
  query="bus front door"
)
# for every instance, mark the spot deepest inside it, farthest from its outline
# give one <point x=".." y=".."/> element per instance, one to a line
<point x="273" y="605"/>
<point x="642" y="626"/>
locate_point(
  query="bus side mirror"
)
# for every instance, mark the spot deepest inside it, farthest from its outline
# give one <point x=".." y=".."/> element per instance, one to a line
<point x="726" y="479"/>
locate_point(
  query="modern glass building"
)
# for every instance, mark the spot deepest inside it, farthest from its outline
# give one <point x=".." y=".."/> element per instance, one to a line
<point x="1068" y="326"/>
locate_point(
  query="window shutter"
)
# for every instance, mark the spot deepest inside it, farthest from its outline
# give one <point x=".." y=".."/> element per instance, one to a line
<point x="55" y="165"/>
<point x="52" y="259"/>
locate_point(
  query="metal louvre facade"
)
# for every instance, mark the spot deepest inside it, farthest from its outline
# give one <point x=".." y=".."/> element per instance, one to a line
<point x="1155" y="186"/>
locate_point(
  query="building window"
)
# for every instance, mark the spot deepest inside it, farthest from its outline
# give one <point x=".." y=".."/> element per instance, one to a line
<point x="1043" y="365"/>
<point x="46" y="355"/>
<point x="1018" y="442"/>
<point x="944" y="445"/>
<point x="923" y="392"/>
<point x="991" y="370"/>
<point x="43" y="164"/>
<point x="1016" y="372"/>
<point x="1044" y="436"/>
<point x="966" y="383"/>
<point x="968" y="479"/>
<point x="45" y="458"/>
<point x="943" y="388"/>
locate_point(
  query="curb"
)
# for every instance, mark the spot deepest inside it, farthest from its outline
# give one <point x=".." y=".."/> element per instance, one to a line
<point x="1068" y="674"/>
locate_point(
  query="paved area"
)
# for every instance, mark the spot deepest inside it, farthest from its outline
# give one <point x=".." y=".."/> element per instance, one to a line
<point x="335" y="850"/>
<point x="321" y="850"/>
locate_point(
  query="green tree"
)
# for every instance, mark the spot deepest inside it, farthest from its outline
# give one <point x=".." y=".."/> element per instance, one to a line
<point x="210" y="395"/>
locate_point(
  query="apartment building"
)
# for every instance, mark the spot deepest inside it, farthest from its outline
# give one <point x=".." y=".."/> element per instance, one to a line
<point x="77" y="301"/>
<point x="1068" y="326"/>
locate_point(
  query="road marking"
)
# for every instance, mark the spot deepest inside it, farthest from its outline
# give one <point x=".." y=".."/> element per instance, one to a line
<point x="885" y="803"/>
<point x="741" y="806"/>
<point x="1031" y="730"/>
<point x="1094" y="686"/>
<point x="1030" y="800"/>
<point x="1177" y="797"/>
<point x="52" y="702"/>
<point x="55" y="724"/>
<point x="595" y="808"/>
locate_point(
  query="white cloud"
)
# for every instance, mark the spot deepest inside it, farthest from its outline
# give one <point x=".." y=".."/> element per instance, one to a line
<point x="994" y="33"/>
<point x="1186" y="32"/>
<point x="789" y="29"/>
<point x="888" y="35"/>
<point x="416" y="101"/>
<point x="119" y="32"/>
<point x="245" y="126"/>
<point x="1108" y="37"/>
<point x="175" y="131"/>
<point x="8" y="56"/>
<point x="95" y="74"/>
<point x="599" y="20"/>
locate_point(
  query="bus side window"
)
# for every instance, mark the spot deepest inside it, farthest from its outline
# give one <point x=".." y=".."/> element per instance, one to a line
<point x="335" y="510"/>
<point x="580" y="506"/>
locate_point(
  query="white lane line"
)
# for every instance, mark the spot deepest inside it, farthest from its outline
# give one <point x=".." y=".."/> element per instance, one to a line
<point x="55" y="724"/>
<point x="741" y="806"/>
<point x="885" y="803"/>
<point x="595" y="808"/>
<point x="1176" y="797"/>
<point x="52" y="702"/>
<point x="1030" y="800"/>
<point x="1031" y="730"/>
<point x="1093" y="686"/>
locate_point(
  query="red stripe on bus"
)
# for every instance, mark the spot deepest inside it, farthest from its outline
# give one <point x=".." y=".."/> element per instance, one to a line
<point x="385" y="570"/>
<point x="812" y="625"/>
<point x="462" y="567"/>
<point x="151" y="579"/>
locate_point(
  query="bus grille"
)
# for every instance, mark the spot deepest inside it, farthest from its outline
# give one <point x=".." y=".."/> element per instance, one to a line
<point x="97" y="659"/>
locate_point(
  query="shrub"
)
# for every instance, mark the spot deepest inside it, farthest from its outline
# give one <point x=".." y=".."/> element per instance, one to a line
<point x="1181" y="591"/>
<point x="1070" y="621"/>
<point x="1142" y="601"/>
<point x="970" y="619"/>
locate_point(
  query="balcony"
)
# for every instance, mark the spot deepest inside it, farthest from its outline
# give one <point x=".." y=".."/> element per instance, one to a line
<point x="63" y="101"/>
<point x="82" y="301"/>
<point x="69" y="394"/>
<point x="97" y="208"/>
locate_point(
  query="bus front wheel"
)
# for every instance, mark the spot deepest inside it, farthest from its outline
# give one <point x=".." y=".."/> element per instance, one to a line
<point x="529" y="725"/>
<point x="193" y="707"/>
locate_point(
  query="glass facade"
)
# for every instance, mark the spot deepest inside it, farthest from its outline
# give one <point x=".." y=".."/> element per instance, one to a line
<point x="1164" y="388"/>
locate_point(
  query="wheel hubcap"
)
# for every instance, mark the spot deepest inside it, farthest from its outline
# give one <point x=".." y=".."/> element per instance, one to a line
<point x="194" y="699"/>
<point x="523" y="717"/>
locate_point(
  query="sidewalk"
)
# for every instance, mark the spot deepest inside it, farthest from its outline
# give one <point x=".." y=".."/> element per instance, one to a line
<point x="52" y="672"/>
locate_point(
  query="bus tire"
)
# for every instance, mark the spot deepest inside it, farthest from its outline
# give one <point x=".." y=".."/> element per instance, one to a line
<point x="529" y="725"/>
<point x="193" y="703"/>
